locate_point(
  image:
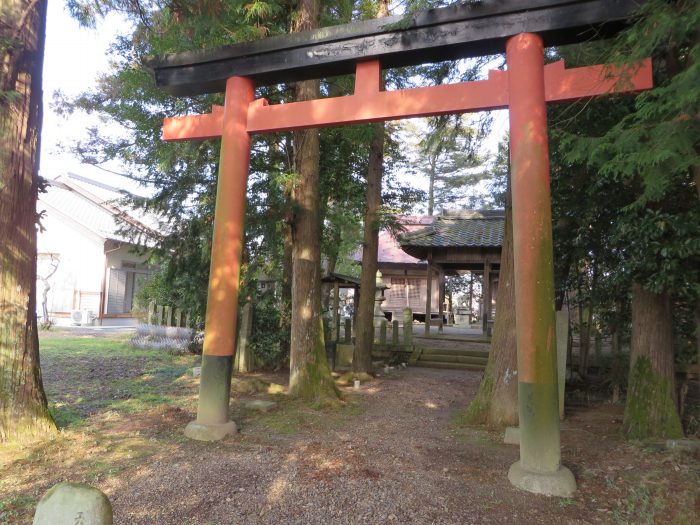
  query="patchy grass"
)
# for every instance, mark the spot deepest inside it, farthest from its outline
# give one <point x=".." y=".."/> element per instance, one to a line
<point x="292" y="417"/>
<point x="114" y="406"/>
<point x="86" y="376"/>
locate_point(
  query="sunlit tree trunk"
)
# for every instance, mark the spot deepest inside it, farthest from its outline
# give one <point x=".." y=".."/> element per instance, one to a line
<point x="651" y="411"/>
<point x="496" y="403"/>
<point x="310" y="377"/>
<point x="23" y="408"/>
<point x="364" y="332"/>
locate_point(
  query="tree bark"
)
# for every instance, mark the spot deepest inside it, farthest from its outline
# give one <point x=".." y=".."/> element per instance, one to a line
<point x="496" y="403"/>
<point x="310" y="377"/>
<point x="24" y="412"/>
<point x="364" y="327"/>
<point x="651" y="411"/>
<point x="431" y="188"/>
<point x="364" y="331"/>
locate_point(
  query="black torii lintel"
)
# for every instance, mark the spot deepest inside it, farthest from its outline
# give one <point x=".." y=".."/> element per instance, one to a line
<point x="470" y="29"/>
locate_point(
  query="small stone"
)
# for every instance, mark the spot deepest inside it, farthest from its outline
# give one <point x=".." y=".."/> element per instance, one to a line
<point x="242" y="489"/>
<point x="686" y="445"/>
<point x="71" y="503"/>
<point x="259" y="404"/>
<point x="512" y="436"/>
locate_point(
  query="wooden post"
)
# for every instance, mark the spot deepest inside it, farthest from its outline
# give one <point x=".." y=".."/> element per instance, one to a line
<point x="335" y="316"/>
<point x="441" y="298"/>
<point x="428" y="293"/>
<point x="382" y="332"/>
<point x="244" y="355"/>
<point x="486" y="297"/>
<point x="407" y="327"/>
<point x="348" y="330"/>
<point x="395" y="332"/>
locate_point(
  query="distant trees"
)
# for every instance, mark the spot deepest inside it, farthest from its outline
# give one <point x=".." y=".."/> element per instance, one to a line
<point x="24" y="412"/>
<point x="306" y="189"/>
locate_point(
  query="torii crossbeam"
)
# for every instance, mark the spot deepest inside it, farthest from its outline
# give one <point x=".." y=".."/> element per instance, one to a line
<point x="525" y="89"/>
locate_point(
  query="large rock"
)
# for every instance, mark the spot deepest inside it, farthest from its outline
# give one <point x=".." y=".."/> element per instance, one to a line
<point x="73" y="504"/>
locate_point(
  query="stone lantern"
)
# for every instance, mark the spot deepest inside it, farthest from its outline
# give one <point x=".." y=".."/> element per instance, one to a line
<point x="379" y="299"/>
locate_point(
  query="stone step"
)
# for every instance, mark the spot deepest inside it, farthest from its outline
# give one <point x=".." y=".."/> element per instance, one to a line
<point x="455" y="352"/>
<point x="439" y="364"/>
<point x="464" y="359"/>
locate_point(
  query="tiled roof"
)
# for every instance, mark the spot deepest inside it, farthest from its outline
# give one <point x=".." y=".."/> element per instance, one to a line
<point x="94" y="206"/>
<point x="389" y="248"/>
<point x="475" y="229"/>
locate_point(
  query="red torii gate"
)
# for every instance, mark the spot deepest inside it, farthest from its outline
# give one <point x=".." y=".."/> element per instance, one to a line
<point x="525" y="88"/>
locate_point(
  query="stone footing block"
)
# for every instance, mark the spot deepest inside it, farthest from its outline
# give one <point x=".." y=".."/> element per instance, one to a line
<point x="209" y="432"/>
<point x="559" y="483"/>
<point x="512" y="436"/>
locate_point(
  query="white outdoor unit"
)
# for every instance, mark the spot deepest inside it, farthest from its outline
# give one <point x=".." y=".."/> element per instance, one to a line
<point x="82" y="317"/>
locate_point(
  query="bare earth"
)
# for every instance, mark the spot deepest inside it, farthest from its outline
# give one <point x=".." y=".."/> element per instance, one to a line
<point x="393" y="453"/>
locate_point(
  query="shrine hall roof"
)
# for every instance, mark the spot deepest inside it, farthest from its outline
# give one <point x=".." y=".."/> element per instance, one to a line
<point x="469" y="229"/>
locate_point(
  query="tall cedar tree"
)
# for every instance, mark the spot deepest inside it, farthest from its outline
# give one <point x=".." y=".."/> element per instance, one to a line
<point x="364" y="333"/>
<point x="24" y="413"/>
<point x="309" y="375"/>
<point x="496" y="402"/>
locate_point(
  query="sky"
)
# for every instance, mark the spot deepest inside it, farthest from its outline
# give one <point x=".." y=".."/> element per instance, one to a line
<point x="74" y="58"/>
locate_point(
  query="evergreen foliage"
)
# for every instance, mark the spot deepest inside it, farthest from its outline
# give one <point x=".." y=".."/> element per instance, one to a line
<point x="183" y="174"/>
<point x="625" y="181"/>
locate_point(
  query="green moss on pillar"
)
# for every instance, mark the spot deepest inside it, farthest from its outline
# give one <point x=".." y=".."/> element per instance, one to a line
<point x="539" y="426"/>
<point x="213" y="420"/>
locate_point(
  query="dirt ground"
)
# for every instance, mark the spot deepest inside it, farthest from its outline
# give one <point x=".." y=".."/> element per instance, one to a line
<point x="394" y="452"/>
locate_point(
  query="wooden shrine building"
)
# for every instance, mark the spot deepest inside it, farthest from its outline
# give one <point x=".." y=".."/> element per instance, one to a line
<point x="439" y="246"/>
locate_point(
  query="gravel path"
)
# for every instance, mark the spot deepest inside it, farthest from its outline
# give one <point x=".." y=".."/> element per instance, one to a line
<point x="400" y="461"/>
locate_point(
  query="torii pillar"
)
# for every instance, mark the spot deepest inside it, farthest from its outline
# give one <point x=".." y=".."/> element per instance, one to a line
<point x="539" y="469"/>
<point x="213" y="421"/>
<point x="525" y="89"/>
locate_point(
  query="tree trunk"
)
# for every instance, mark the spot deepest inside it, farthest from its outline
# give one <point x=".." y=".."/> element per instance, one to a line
<point x="431" y="189"/>
<point x="24" y="412"/>
<point x="309" y="376"/>
<point x="585" y="317"/>
<point x="331" y="262"/>
<point x="496" y="403"/>
<point x="287" y="264"/>
<point x="364" y="327"/>
<point x="651" y="411"/>
<point x="286" y="295"/>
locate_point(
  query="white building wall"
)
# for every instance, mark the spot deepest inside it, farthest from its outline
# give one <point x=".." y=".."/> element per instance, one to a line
<point x="80" y="265"/>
